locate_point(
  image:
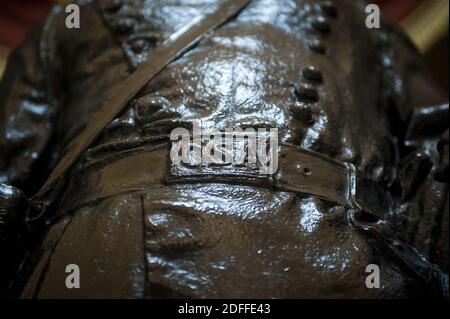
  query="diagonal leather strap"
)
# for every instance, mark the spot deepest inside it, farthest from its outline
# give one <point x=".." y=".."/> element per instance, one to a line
<point x="174" y="47"/>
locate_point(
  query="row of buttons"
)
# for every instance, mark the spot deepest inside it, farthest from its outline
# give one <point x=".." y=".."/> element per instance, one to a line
<point x="306" y="92"/>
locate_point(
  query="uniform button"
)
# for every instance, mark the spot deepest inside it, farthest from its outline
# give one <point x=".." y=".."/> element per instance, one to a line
<point x="306" y="94"/>
<point x="139" y="45"/>
<point x="113" y="5"/>
<point x="329" y="8"/>
<point x="311" y="73"/>
<point x="303" y="112"/>
<point x="321" y="24"/>
<point x="124" y="25"/>
<point x="316" y="46"/>
<point x="146" y="106"/>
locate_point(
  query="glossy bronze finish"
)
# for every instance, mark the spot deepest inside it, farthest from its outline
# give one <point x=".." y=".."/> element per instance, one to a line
<point x="342" y="96"/>
<point x="168" y="51"/>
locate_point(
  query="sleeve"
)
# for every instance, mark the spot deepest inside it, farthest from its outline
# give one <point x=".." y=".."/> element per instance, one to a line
<point x="413" y="233"/>
<point x="421" y="125"/>
<point x="422" y="211"/>
<point x="28" y="108"/>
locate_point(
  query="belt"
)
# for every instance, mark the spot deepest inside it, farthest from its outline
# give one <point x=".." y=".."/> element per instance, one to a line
<point x="299" y="171"/>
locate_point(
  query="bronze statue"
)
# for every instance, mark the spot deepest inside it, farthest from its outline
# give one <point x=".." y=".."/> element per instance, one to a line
<point x="341" y="96"/>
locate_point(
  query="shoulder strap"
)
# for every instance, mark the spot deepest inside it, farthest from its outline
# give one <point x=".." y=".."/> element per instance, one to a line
<point x="174" y="47"/>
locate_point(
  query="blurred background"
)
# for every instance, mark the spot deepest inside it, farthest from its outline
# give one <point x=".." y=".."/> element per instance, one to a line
<point x="425" y="21"/>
